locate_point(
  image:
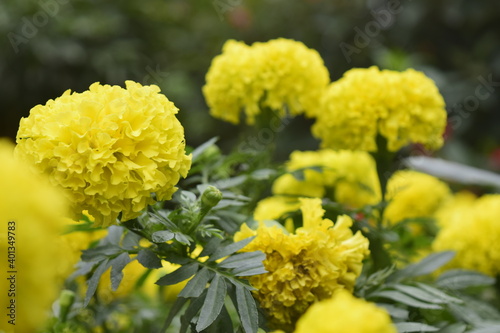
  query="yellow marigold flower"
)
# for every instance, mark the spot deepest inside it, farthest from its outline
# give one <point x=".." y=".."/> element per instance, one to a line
<point x="404" y="107"/>
<point x="273" y="208"/>
<point x="31" y="219"/>
<point x="279" y="74"/>
<point x="350" y="176"/>
<point x="413" y="194"/>
<point x="310" y="265"/>
<point x="110" y="148"/>
<point x="474" y="235"/>
<point x="344" y="313"/>
<point x="454" y="208"/>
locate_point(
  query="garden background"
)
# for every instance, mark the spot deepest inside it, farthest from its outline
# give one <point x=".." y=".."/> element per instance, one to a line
<point x="50" y="46"/>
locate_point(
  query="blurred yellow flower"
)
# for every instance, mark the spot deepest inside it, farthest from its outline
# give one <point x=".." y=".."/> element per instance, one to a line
<point x="310" y="265"/>
<point x="31" y="219"/>
<point x="473" y="232"/>
<point x="110" y="148"/>
<point x="347" y="177"/>
<point x="280" y="74"/>
<point x="404" y="107"/>
<point x="344" y="313"/>
<point x="413" y="194"/>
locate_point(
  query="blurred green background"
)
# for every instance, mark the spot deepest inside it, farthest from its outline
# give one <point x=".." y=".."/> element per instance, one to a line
<point x="49" y="46"/>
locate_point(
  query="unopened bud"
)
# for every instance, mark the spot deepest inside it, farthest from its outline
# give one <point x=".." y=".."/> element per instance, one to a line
<point x="210" y="197"/>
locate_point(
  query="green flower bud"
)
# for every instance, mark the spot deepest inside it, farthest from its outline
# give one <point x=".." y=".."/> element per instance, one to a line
<point x="210" y="198"/>
<point x="66" y="300"/>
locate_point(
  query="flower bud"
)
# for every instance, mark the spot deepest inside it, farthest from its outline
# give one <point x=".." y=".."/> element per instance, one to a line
<point x="210" y="198"/>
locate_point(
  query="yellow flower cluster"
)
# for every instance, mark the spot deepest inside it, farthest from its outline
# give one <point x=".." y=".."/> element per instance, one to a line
<point x="347" y="177"/>
<point x="344" y="313"/>
<point x="280" y="74"/>
<point x="473" y="233"/>
<point x="31" y="218"/>
<point x="110" y="148"/>
<point x="413" y="194"/>
<point x="404" y="107"/>
<point x="310" y="265"/>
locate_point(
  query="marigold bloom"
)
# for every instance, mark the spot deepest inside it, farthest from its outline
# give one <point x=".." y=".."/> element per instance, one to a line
<point x="344" y="313"/>
<point x="474" y="235"/>
<point x="31" y="219"/>
<point x="110" y="148"/>
<point x="310" y="265"/>
<point x="404" y="107"/>
<point x="413" y="194"/>
<point x="279" y="74"/>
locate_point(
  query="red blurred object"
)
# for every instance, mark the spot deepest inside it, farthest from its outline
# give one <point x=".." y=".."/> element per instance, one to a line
<point x="495" y="159"/>
<point x="240" y="18"/>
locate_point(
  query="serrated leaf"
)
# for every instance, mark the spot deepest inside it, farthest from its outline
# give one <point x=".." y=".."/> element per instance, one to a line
<point x="439" y="294"/>
<point x="94" y="280"/>
<point x="198" y="151"/>
<point x="83" y="268"/>
<point x="130" y="240"/>
<point x="457" y="279"/>
<point x="426" y="266"/>
<point x="487" y="328"/>
<point x="404" y="299"/>
<point x="394" y="311"/>
<point x="454" y="328"/>
<point x="415" y="327"/>
<point x="117" y="265"/>
<point x="197" y="284"/>
<point x="241" y="260"/>
<point x="149" y="259"/>
<point x="230" y="249"/>
<point x="100" y="252"/>
<point x="162" y="236"/>
<point x="223" y="323"/>
<point x="465" y="314"/>
<point x="247" y="309"/>
<point x="213" y="303"/>
<point x="210" y="247"/>
<point x="191" y="311"/>
<point x="114" y="235"/>
<point x="419" y="294"/>
<point x="179" y="275"/>
<point x="176" y="307"/>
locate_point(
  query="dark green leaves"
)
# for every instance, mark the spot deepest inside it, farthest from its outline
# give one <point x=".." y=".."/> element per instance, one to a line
<point x="213" y="303"/>
<point x="179" y="275"/>
<point x="423" y="267"/>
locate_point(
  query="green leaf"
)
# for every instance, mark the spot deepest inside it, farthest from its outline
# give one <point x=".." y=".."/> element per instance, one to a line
<point x="114" y="235"/>
<point x="419" y="294"/>
<point x="426" y="266"/>
<point x="210" y="247"/>
<point x="487" y="328"/>
<point x="197" y="284"/>
<point x="179" y="275"/>
<point x="394" y="311"/>
<point x="213" y="303"/>
<point x="117" y="265"/>
<point x="223" y="323"/>
<point x="230" y="249"/>
<point x="440" y="294"/>
<point x="198" y="151"/>
<point x="243" y="260"/>
<point x="162" y="236"/>
<point x="415" y="327"/>
<point x="465" y="314"/>
<point x="149" y="259"/>
<point x="457" y="279"/>
<point x="230" y="182"/>
<point x="100" y="252"/>
<point x="182" y="238"/>
<point x="247" y="309"/>
<point x="176" y="307"/>
<point x="94" y="280"/>
<point x="454" y="328"/>
<point x="192" y="310"/>
<point x="404" y="299"/>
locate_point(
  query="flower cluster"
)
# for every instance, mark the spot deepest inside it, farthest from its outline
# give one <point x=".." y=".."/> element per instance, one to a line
<point x="473" y="231"/>
<point x="347" y="177"/>
<point x="31" y="217"/>
<point x="310" y="265"/>
<point x="344" y="313"/>
<point x="404" y="107"/>
<point x="413" y="194"/>
<point x="280" y="75"/>
<point x="110" y="148"/>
